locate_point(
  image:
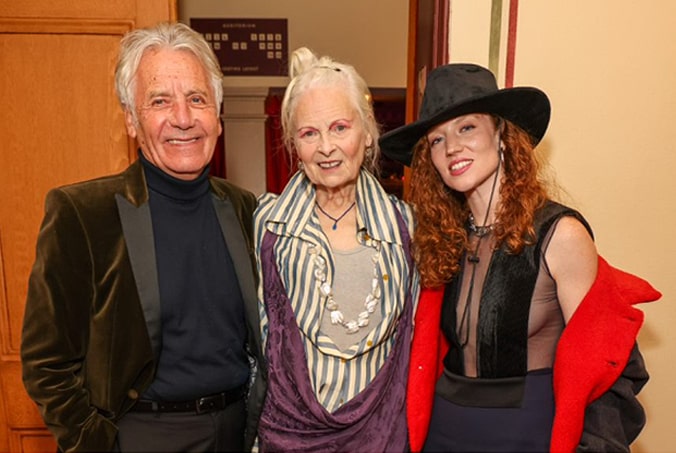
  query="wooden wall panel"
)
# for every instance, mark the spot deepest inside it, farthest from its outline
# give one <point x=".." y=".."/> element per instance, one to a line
<point x="52" y="140"/>
<point x="60" y="123"/>
<point x="73" y="9"/>
<point x="33" y="440"/>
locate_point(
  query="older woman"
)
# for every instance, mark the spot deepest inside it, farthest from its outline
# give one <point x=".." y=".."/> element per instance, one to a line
<point x="541" y="330"/>
<point x="337" y="282"/>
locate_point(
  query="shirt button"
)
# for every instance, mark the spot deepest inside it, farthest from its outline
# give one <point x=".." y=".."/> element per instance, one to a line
<point x="343" y="360"/>
<point x="386" y="277"/>
<point x="369" y="343"/>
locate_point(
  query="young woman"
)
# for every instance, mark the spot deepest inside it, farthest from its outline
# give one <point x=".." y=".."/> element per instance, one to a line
<point x="538" y="333"/>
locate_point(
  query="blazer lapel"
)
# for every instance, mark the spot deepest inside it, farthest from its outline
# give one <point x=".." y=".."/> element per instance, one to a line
<point x="138" y="234"/>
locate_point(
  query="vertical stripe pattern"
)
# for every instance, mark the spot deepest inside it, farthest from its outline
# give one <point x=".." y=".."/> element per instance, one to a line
<point x="495" y="32"/>
<point x="511" y="43"/>
<point x="336" y="376"/>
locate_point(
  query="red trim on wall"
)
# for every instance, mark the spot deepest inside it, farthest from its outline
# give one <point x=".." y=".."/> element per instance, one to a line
<point x="511" y="43"/>
<point x="440" y="39"/>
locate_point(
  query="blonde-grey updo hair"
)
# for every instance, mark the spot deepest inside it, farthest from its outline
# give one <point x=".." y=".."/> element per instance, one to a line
<point x="176" y="36"/>
<point x="309" y="71"/>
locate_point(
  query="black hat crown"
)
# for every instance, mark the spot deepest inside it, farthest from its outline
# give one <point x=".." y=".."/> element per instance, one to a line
<point x="458" y="89"/>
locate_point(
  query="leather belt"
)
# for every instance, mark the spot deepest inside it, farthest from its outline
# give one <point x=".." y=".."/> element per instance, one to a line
<point x="211" y="403"/>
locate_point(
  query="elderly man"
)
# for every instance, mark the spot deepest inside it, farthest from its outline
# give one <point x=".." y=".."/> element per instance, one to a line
<point x="141" y="326"/>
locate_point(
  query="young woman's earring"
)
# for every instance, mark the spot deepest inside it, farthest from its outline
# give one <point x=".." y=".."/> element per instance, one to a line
<point x="301" y="167"/>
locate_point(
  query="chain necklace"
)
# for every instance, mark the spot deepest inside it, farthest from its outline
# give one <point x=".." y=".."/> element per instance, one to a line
<point x="371" y="300"/>
<point x="479" y="231"/>
<point x="335" y="219"/>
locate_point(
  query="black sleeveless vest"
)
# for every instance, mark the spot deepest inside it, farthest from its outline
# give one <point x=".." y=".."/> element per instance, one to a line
<point x="502" y="335"/>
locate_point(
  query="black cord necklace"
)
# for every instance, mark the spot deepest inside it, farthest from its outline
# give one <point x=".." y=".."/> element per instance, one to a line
<point x="335" y="219"/>
<point x="473" y="257"/>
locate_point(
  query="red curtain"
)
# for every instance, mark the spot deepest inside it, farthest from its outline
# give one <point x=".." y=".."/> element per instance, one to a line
<point x="217" y="165"/>
<point x="278" y="166"/>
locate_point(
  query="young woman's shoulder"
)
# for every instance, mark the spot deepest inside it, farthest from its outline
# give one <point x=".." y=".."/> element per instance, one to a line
<point x="571" y="232"/>
<point x="572" y="260"/>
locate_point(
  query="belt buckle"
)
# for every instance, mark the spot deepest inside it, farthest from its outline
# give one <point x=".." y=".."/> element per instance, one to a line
<point x="202" y="405"/>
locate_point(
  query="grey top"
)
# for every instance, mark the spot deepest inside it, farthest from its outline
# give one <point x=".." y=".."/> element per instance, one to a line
<point x="351" y="285"/>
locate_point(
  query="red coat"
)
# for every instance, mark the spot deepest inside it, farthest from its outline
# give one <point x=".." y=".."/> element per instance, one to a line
<point x="582" y="370"/>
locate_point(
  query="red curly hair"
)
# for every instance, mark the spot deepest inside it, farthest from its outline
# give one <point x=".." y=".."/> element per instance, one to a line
<point x="440" y="238"/>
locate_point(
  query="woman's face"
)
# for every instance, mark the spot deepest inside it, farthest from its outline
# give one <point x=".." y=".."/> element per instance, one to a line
<point x="329" y="137"/>
<point x="465" y="152"/>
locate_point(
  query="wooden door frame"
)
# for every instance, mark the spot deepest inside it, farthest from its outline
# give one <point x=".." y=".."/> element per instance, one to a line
<point x="427" y="48"/>
<point x="427" y="44"/>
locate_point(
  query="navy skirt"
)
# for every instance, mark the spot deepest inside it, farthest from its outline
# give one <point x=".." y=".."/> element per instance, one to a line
<point x="524" y="425"/>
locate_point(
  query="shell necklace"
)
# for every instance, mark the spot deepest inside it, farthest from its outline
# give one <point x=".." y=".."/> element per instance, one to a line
<point x="371" y="300"/>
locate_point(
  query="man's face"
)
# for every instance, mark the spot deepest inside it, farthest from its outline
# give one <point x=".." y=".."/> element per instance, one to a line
<point x="176" y="122"/>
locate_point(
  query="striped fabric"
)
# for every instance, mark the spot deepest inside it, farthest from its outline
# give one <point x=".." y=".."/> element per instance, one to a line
<point x="336" y="376"/>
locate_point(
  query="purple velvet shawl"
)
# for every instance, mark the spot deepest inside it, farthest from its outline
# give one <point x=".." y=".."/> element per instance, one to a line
<point x="293" y="420"/>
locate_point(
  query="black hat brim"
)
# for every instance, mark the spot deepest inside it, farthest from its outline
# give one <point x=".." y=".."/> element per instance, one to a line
<point x="527" y="107"/>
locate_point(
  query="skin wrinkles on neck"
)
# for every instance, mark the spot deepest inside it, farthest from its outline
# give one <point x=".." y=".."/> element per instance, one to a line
<point x="336" y="201"/>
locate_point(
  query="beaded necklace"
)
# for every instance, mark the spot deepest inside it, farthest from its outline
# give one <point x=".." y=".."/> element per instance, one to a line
<point x="371" y="300"/>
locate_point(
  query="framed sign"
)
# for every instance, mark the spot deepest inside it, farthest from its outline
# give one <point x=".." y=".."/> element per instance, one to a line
<point x="247" y="47"/>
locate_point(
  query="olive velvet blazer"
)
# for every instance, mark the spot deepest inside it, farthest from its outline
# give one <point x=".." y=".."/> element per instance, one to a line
<point x="92" y="322"/>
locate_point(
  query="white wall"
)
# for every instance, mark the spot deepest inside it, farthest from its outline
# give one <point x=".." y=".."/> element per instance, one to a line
<point x="610" y="70"/>
<point x="371" y="35"/>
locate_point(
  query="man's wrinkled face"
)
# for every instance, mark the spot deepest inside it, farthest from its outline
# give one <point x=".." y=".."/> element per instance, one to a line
<point x="176" y="122"/>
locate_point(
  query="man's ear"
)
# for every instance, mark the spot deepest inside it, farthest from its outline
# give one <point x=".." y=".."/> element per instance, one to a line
<point x="130" y="123"/>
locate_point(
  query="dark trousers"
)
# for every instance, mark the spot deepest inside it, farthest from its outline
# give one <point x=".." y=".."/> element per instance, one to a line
<point x="528" y="428"/>
<point x="217" y="431"/>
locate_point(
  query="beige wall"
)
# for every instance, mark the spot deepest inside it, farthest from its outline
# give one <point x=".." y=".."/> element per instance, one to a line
<point x="371" y="35"/>
<point x="610" y="70"/>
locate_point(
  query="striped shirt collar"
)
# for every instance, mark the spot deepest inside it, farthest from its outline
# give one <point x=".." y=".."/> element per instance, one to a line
<point x="376" y="214"/>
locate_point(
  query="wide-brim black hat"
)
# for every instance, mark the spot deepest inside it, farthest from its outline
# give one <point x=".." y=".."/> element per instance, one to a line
<point x="458" y="89"/>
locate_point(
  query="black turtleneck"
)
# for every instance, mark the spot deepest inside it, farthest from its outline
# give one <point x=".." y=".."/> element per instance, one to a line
<point x="203" y="325"/>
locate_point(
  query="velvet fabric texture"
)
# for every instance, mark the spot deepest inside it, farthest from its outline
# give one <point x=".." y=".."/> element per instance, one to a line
<point x="293" y="420"/>
<point x="91" y="326"/>
<point x="505" y="304"/>
<point x="596" y="351"/>
<point x="598" y="369"/>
